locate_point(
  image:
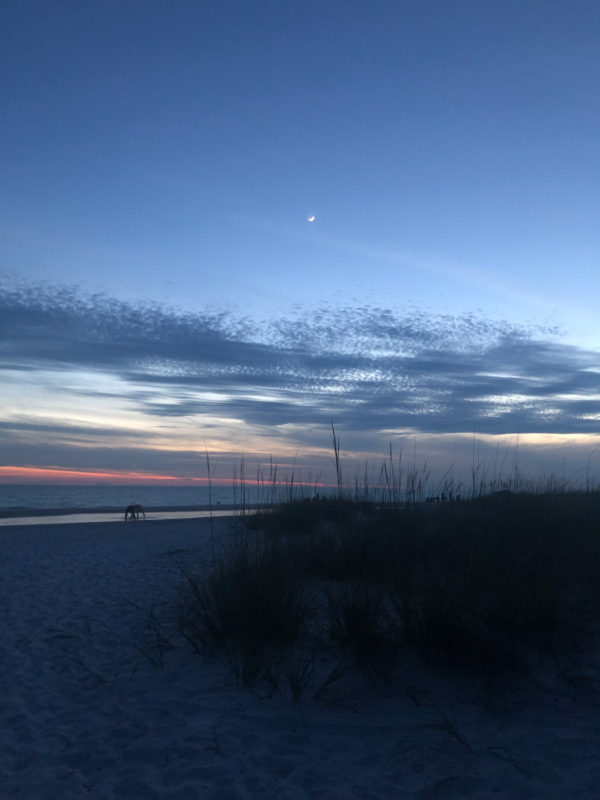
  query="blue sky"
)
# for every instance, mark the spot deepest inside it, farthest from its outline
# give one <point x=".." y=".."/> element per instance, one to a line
<point x="162" y="290"/>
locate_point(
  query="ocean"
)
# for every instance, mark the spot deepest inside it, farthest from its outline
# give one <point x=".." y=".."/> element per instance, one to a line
<point x="64" y="503"/>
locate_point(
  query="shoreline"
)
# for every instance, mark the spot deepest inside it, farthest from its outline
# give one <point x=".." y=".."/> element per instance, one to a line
<point x="48" y="511"/>
<point x="60" y="517"/>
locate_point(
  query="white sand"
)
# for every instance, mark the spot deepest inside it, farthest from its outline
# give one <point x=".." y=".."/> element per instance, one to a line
<point x="87" y="709"/>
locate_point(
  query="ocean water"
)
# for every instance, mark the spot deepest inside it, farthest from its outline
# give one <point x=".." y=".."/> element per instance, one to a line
<point x="26" y="499"/>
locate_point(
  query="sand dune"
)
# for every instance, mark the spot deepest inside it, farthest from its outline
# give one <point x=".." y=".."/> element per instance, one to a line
<point x="92" y="707"/>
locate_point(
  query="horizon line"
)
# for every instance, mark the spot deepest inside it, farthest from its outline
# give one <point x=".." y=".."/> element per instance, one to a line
<point x="10" y="475"/>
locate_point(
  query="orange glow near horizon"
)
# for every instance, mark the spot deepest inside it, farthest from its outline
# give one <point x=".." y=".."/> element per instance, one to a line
<point x="11" y="474"/>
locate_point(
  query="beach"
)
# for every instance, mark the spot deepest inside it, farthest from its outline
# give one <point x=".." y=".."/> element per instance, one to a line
<point x="103" y="698"/>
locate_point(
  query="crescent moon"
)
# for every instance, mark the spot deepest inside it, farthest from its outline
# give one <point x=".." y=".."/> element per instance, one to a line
<point x="311" y="219"/>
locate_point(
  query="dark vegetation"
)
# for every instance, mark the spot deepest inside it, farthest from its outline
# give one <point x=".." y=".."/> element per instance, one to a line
<point x="477" y="585"/>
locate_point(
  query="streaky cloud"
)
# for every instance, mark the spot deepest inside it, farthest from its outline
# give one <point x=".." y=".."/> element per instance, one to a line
<point x="368" y="368"/>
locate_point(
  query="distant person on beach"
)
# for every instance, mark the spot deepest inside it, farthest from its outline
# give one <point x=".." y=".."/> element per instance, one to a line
<point x="133" y="511"/>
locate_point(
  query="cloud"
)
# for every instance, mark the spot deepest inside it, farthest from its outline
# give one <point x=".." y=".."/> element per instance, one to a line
<point x="368" y="369"/>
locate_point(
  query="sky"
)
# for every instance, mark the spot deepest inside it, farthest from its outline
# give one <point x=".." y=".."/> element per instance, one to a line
<point x="164" y="295"/>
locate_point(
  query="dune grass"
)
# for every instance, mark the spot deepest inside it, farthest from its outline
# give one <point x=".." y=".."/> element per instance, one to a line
<point x="251" y="605"/>
<point x="475" y="584"/>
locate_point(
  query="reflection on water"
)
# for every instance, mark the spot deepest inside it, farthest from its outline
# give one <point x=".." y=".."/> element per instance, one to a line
<point x="63" y="519"/>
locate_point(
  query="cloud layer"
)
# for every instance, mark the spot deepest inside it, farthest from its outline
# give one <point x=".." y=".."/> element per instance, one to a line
<point x="367" y="369"/>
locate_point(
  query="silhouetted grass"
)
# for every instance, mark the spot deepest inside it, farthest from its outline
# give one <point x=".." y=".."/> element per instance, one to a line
<point x="359" y="623"/>
<point x="248" y="605"/>
<point x="476" y="584"/>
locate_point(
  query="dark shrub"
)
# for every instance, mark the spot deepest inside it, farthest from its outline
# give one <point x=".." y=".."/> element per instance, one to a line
<point x="249" y="604"/>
